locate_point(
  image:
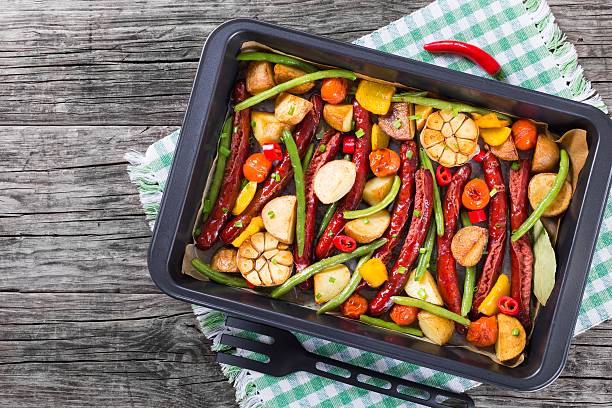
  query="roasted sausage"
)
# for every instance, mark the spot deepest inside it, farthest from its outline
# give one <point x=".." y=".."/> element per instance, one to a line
<point x="448" y="283"/>
<point x="423" y="206"/>
<point x="498" y="220"/>
<point x="283" y="172"/>
<point x="363" y="146"/>
<point x="521" y="254"/>
<point x="331" y="141"/>
<point x="232" y="175"/>
<point x="401" y="209"/>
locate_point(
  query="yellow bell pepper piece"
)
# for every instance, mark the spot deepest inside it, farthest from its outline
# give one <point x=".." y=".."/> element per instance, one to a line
<point x="254" y="227"/>
<point x="380" y="140"/>
<point x="490" y="120"/>
<point x="244" y="198"/>
<point x="501" y="288"/>
<point x="374" y="97"/>
<point x="495" y="136"/>
<point x="374" y="272"/>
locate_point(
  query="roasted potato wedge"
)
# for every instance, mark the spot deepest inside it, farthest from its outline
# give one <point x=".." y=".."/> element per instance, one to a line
<point x="329" y="282"/>
<point x="339" y="117"/>
<point x="424" y="288"/>
<point x="511" y="337"/>
<point x="284" y="73"/>
<point x="334" y="180"/>
<point x="545" y="155"/>
<point x="436" y="328"/>
<point x="279" y="218"/>
<point x="367" y="229"/>
<point x="376" y="189"/>
<point x="291" y="109"/>
<point x="424" y="112"/>
<point x="540" y="185"/>
<point x="259" y="77"/>
<point x="468" y="244"/>
<point x="266" y="128"/>
<point x="224" y="260"/>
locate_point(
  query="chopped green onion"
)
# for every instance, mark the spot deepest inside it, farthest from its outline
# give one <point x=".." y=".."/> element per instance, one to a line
<point x="271" y="214"/>
<point x="397" y="123"/>
<point x="492" y="192"/>
<point x="235" y="129"/>
<point x="225" y="210"/>
<point x="366" y="221"/>
<point x="274" y="261"/>
<point x="253" y="124"/>
<point x="394" y="236"/>
<point x="330" y="234"/>
<point x="409" y="154"/>
<point x="291" y="110"/>
<point x="422" y="250"/>
<point x="414" y="117"/>
<point x="238" y="224"/>
<point x="318" y="296"/>
<point x="515" y="332"/>
<point x="322" y="147"/>
<point x="359" y="133"/>
<point x="401" y="270"/>
<point x="515" y="166"/>
<point x="422" y="294"/>
<point x="332" y="279"/>
<point x="416" y="213"/>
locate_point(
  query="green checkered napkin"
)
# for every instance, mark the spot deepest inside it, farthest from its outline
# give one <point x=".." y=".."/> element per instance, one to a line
<point x="534" y="54"/>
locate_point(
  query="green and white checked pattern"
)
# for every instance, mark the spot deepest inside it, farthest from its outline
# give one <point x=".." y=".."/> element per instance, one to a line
<point x="534" y="54"/>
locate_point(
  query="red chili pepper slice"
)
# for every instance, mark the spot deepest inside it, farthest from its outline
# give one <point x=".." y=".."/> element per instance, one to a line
<point x="508" y="306"/>
<point x="348" y="145"/>
<point x="345" y="243"/>
<point x="475" y="54"/>
<point x="477" y="216"/>
<point x="443" y="176"/>
<point x="272" y="151"/>
<point x="250" y="285"/>
<point x="480" y="156"/>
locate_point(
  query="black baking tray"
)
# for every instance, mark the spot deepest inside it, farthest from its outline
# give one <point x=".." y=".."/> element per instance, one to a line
<point x="548" y="348"/>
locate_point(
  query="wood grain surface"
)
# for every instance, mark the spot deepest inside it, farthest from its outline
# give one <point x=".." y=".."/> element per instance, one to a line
<point x="81" y="83"/>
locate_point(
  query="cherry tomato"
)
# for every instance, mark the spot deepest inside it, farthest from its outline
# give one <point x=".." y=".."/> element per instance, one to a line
<point x="272" y="151"/>
<point x="348" y="145"/>
<point x="384" y="162"/>
<point x="483" y="332"/>
<point x="403" y="315"/>
<point x="354" y="306"/>
<point x="256" y="167"/>
<point x="525" y="134"/>
<point x="345" y="243"/>
<point x="477" y="216"/>
<point x="475" y="194"/>
<point x="443" y="176"/>
<point x="334" y="90"/>
<point x="508" y="306"/>
<point x="480" y="156"/>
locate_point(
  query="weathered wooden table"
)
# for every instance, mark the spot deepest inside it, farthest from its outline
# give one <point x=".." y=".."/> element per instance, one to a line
<point x="82" y="82"/>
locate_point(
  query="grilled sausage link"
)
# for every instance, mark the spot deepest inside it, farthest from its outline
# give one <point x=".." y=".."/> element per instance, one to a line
<point x="363" y="147"/>
<point x="521" y="254"/>
<point x="401" y="210"/>
<point x="233" y="172"/>
<point x="498" y="219"/>
<point x="448" y="283"/>
<point x="423" y="206"/>
<point x="331" y="141"/>
<point x="281" y="172"/>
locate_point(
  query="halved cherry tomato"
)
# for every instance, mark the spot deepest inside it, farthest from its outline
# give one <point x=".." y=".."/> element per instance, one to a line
<point x="256" y="167"/>
<point x="483" y="332"/>
<point x="348" y="145"/>
<point x="477" y="216"/>
<point x="384" y="162"/>
<point x="403" y="315"/>
<point x="334" y="90"/>
<point x="475" y="194"/>
<point x="443" y="176"/>
<point x="525" y="134"/>
<point x="354" y="306"/>
<point x="480" y="156"/>
<point x="272" y="151"/>
<point x="345" y="243"/>
<point x="508" y="306"/>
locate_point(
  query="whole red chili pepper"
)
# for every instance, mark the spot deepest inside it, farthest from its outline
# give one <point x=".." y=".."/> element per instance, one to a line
<point x="348" y="145"/>
<point x="272" y="151"/>
<point x="475" y="54"/>
<point x="443" y="176"/>
<point x="345" y="243"/>
<point x="480" y="156"/>
<point x="508" y="306"/>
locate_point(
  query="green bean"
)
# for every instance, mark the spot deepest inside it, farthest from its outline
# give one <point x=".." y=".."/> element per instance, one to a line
<point x="470" y="276"/>
<point x="445" y="105"/>
<point x="298" y="177"/>
<point x="395" y="188"/>
<point x="548" y="198"/>
<point x="431" y="308"/>
<point x="307" y="158"/>
<point x="425" y="256"/>
<point x="439" y="215"/>
<point x="329" y="73"/>
<point x="325" y="263"/>
<point x="219" y="277"/>
<point x="348" y="289"/>
<point x="373" y="321"/>
<point x="215" y="186"/>
<point x="277" y="59"/>
<point x="331" y="210"/>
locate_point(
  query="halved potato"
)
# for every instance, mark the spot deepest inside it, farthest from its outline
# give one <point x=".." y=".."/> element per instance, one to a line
<point x="540" y="185"/>
<point x="367" y="229"/>
<point x="509" y="345"/>
<point x="334" y="180"/>
<point x="279" y="218"/>
<point x="339" y="117"/>
<point x="330" y="281"/>
<point x="436" y="328"/>
<point x="424" y="288"/>
<point x="266" y="128"/>
<point x="284" y="73"/>
<point x="468" y="244"/>
<point x="505" y="151"/>
<point x="291" y="109"/>
<point x="259" y="77"/>
<point x="224" y="260"/>
<point x="376" y="189"/>
<point x="545" y="155"/>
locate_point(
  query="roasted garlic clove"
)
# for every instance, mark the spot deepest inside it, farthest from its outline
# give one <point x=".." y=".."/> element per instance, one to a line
<point x="264" y="261"/>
